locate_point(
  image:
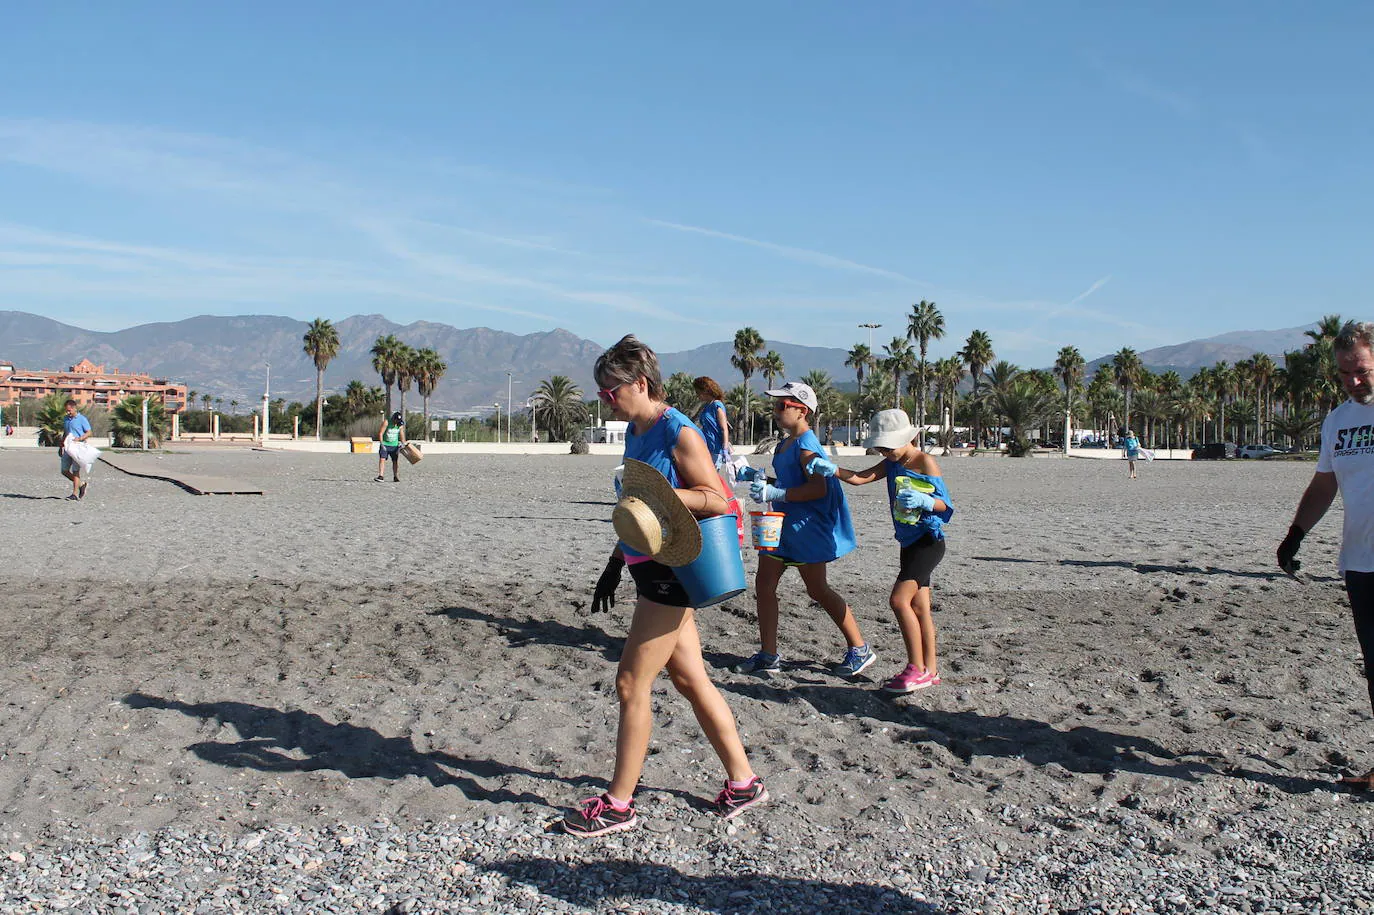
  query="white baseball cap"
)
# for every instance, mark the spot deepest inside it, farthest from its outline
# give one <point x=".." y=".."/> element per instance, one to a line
<point x="797" y="391"/>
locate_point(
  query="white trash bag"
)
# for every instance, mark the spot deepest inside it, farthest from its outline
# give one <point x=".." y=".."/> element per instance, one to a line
<point x="83" y="453"/>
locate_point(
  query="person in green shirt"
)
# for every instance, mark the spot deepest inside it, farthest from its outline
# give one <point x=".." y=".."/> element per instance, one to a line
<point x="391" y="437"/>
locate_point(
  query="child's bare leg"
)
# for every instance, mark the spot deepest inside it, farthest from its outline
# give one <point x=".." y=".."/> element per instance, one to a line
<point x="766" y="602"/>
<point x="905" y="595"/>
<point x="819" y="590"/>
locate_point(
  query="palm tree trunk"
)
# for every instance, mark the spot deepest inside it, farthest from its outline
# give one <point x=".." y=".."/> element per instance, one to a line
<point x="319" y="402"/>
<point x="428" y="436"/>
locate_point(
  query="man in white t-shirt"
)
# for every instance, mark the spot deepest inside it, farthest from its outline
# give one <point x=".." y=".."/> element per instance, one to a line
<point x="1346" y="463"/>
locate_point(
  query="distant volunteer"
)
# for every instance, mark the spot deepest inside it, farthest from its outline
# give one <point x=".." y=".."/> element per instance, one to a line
<point x="391" y="437"/>
<point x="1346" y="464"/>
<point x="76" y="428"/>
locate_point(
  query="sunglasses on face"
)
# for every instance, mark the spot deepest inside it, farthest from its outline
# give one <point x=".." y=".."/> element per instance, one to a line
<point x="607" y="395"/>
<point x="780" y="405"/>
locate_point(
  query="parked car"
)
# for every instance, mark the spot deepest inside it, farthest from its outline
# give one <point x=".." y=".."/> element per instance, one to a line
<point x="1213" y="451"/>
<point x="1256" y="451"/>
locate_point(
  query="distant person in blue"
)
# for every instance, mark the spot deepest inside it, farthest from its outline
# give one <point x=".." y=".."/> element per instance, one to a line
<point x="76" y="428"/>
<point x="816" y="530"/>
<point x="921" y="508"/>
<point x="1130" y="446"/>
<point x="711" y="418"/>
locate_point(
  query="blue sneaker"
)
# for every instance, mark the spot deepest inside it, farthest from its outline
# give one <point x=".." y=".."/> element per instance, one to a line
<point x="761" y="663"/>
<point x="856" y="660"/>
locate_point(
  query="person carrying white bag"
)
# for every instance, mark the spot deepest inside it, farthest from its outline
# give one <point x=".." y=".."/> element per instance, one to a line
<point x="78" y="457"/>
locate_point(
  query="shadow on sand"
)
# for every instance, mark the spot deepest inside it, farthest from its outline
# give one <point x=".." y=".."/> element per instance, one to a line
<point x="269" y="735"/>
<point x="1146" y="568"/>
<point x="969" y="735"/>
<point x="599" y="887"/>
<point x="20" y="495"/>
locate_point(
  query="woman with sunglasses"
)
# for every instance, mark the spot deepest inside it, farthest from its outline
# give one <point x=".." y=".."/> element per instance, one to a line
<point x="816" y="530"/>
<point x="663" y="630"/>
<point x="921" y="508"/>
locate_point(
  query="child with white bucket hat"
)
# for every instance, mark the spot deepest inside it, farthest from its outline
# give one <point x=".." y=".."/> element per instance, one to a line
<point x="669" y="482"/>
<point x="921" y="507"/>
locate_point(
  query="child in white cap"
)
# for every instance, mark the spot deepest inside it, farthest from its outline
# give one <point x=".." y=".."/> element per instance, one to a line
<point x="921" y="508"/>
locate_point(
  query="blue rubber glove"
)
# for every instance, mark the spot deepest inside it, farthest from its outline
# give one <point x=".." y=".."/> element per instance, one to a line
<point x="821" y="466"/>
<point x="912" y="500"/>
<point x="749" y="474"/>
<point x="761" y="492"/>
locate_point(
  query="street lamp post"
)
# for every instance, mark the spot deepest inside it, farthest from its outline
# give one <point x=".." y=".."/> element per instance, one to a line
<point x="510" y="381"/>
<point x="871" y="329"/>
<point x="849" y="427"/>
<point x="266" y="395"/>
<point x="497" y="405"/>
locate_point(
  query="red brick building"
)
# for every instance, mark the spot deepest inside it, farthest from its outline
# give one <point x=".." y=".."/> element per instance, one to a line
<point x="89" y="385"/>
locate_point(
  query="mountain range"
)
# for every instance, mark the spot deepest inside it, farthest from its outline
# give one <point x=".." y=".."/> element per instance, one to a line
<point x="228" y="357"/>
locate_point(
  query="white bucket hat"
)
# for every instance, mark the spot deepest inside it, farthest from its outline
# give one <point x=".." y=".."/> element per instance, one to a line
<point x="652" y="520"/>
<point x="889" y="429"/>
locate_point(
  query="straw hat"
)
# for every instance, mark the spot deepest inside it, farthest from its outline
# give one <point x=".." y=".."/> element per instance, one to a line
<point x="652" y="520"/>
<point x="889" y="429"/>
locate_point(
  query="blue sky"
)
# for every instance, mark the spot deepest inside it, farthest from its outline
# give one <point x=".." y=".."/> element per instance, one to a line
<point x="1095" y="174"/>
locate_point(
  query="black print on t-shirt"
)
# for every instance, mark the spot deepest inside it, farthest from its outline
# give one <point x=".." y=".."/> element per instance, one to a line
<point x="1354" y="440"/>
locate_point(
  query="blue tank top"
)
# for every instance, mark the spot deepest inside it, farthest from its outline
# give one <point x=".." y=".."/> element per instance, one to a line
<point x="708" y="421"/>
<point x="910" y="526"/>
<point x="654" y="446"/>
<point x="815" y="531"/>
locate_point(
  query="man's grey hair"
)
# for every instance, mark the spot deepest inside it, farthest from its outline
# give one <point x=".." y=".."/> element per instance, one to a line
<point x="1353" y="334"/>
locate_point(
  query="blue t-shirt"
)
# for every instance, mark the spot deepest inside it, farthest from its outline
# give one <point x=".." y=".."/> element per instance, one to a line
<point x="654" y="446"/>
<point x="815" y="531"/>
<point x="1132" y="446"/>
<point x="907" y="531"/>
<point x="708" y="422"/>
<point x="76" y="426"/>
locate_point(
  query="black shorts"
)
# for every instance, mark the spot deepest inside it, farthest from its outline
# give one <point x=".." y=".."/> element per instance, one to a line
<point x="919" y="559"/>
<point x="389" y="451"/>
<point x="656" y="582"/>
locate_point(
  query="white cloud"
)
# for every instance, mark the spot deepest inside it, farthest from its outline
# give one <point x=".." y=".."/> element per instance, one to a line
<point x="803" y="255"/>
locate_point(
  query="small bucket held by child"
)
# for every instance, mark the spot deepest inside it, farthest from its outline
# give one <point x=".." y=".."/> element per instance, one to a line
<point x="766" y="528"/>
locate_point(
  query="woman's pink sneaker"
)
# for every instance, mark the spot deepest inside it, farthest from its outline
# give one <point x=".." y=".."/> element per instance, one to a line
<point x="909" y="680"/>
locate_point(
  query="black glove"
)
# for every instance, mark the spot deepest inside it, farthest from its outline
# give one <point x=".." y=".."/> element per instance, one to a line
<point x="603" y="598"/>
<point x="1288" y="550"/>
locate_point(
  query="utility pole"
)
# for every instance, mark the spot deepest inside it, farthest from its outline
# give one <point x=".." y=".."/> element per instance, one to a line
<point x="266" y="394"/>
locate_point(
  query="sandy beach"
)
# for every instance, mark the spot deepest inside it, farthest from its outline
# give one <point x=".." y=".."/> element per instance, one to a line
<point x="353" y="696"/>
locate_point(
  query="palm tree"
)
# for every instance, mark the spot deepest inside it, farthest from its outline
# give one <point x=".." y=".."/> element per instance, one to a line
<point x="233" y="408"/>
<point x="948" y="373"/>
<point x="1000" y="375"/>
<point x="1127" y="369"/>
<point x="1025" y="403"/>
<point x="1068" y="367"/>
<point x="429" y="368"/>
<point x="748" y="342"/>
<point x="126" y="422"/>
<point x="1223" y="379"/>
<point x="558" y="407"/>
<point x="860" y="359"/>
<point x="900" y="360"/>
<point x="824" y="389"/>
<point x="977" y="353"/>
<point x="925" y="323"/>
<point x="1297" y="425"/>
<point x="1262" y="369"/>
<point x="405" y="374"/>
<point x="321" y="345"/>
<point x="680" y="393"/>
<point x="772" y="367"/>
<point x="384" y="357"/>
<point x="50" y="419"/>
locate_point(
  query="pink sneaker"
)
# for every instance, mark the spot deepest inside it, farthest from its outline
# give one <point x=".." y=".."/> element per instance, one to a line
<point x="909" y="680"/>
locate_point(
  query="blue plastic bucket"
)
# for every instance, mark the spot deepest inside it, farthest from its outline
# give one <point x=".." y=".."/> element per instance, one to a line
<point x="718" y="573"/>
